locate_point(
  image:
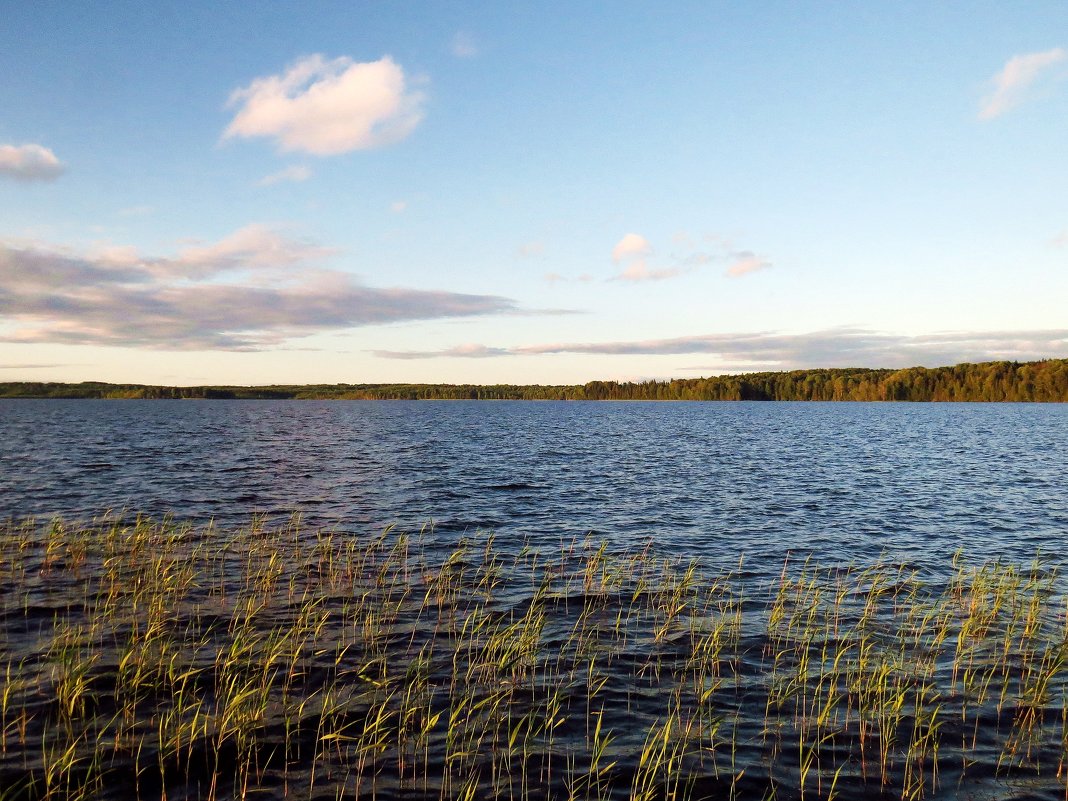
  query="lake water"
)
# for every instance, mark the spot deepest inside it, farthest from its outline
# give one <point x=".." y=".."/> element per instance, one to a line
<point x="715" y="480"/>
<point x="424" y="661"/>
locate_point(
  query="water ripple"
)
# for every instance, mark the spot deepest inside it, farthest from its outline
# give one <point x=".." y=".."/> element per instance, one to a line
<point x="839" y="481"/>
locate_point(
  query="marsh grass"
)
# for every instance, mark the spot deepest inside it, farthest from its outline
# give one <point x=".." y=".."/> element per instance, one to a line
<point x="148" y="659"/>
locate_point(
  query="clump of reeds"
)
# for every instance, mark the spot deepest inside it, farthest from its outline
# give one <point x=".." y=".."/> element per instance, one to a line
<point x="148" y="659"/>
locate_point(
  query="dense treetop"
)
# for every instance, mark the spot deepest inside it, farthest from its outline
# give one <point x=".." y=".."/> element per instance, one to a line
<point x="989" y="381"/>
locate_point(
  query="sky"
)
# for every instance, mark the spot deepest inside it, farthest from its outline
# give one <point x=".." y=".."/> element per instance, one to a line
<point x="550" y="192"/>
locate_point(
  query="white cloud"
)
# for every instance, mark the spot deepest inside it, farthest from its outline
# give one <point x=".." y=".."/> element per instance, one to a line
<point x="463" y="45"/>
<point x="398" y="206"/>
<point x="328" y="107"/>
<point x="29" y="163"/>
<point x="1061" y="240"/>
<point x="631" y="246"/>
<point x="1010" y="87"/>
<point x="295" y="173"/>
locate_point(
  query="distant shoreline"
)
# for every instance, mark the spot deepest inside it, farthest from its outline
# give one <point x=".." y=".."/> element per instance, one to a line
<point x="1041" y="381"/>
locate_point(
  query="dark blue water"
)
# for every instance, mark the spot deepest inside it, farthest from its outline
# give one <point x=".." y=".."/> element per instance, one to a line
<point x="716" y="480"/>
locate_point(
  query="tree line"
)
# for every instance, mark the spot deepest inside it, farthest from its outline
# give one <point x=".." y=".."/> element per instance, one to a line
<point x="989" y="381"/>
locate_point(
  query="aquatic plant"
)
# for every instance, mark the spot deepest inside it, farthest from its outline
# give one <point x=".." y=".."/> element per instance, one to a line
<point x="151" y="659"/>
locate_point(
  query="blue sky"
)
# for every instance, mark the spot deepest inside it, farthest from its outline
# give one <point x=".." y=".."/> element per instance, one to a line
<point x="549" y="192"/>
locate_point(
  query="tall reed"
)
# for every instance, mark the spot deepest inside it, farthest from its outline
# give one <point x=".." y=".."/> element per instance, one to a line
<point x="152" y="659"/>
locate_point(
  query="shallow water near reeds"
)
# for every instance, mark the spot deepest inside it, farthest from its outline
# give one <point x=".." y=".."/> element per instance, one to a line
<point x="715" y="480"/>
<point x="628" y="600"/>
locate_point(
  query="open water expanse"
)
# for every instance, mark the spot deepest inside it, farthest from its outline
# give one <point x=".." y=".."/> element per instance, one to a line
<point x="715" y="480"/>
<point x="578" y="653"/>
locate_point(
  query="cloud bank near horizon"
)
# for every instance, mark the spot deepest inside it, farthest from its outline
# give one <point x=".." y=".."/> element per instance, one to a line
<point x="251" y="290"/>
<point x="840" y="347"/>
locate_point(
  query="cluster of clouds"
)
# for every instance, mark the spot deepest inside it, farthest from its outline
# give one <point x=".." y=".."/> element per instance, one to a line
<point x="839" y="347"/>
<point x="257" y="288"/>
<point x="633" y="253"/>
<point x="324" y="107"/>
<point x="253" y="289"/>
<point x="316" y="106"/>
<point x="636" y="260"/>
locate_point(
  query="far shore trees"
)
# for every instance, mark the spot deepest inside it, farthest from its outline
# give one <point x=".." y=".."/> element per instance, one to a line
<point x="1042" y="381"/>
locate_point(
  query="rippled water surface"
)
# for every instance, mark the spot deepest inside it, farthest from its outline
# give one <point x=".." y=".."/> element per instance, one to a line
<point x="711" y="479"/>
<point x="935" y="678"/>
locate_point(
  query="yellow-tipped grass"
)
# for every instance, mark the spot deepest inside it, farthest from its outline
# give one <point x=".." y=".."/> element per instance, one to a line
<point x="149" y="659"/>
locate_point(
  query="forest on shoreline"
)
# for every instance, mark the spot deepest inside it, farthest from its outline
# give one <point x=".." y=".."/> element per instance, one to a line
<point x="1042" y="381"/>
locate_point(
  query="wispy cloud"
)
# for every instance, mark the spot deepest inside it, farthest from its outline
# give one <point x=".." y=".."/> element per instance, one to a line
<point x="325" y="107"/>
<point x="398" y="206"/>
<point x="29" y="163"/>
<point x="250" y="290"/>
<point x="294" y="173"/>
<point x="1011" y="86"/>
<point x="639" y="270"/>
<point x="471" y="351"/>
<point x="463" y="45"/>
<point x="745" y="262"/>
<point x="255" y="246"/>
<point x="531" y="250"/>
<point x="137" y="211"/>
<point x="31" y="366"/>
<point x="840" y="347"/>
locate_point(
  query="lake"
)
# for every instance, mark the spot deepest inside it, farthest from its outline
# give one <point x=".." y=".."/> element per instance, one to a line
<point x="715" y="480"/>
<point x="545" y="631"/>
